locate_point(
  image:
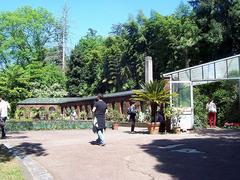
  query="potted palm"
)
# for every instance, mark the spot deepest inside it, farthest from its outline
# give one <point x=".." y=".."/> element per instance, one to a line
<point x="155" y="94"/>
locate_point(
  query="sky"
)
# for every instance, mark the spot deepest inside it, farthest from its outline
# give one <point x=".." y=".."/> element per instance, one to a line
<point x="99" y="15"/>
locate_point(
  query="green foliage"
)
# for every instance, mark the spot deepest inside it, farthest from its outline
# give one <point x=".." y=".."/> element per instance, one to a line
<point x="200" y="112"/>
<point x="224" y="95"/>
<point x="14" y="85"/>
<point x="115" y="116"/>
<point x="28" y="38"/>
<point x="25" y="34"/>
<point x="155" y="93"/>
<point x="219" y="24"/>
<point x="49" y="125"/>
<point x="37" y="79"/>
<point x="83" y="115"/>
<point x="55" y="115"/>
<point x="85" y="67"/>
<point x="51" y="90"/>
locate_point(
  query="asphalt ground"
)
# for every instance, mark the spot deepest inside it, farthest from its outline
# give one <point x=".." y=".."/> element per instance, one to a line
<point x="68" y="154"/>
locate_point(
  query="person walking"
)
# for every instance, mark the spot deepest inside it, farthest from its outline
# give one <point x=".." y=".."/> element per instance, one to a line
<point x="99" y="110"/>
<point x="212" y="112"/>
<point x="132" y="112"/>
<point x="4" y="107"/>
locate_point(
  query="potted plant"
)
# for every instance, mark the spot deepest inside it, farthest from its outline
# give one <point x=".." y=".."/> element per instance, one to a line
<point x="176" y="119"/>
<point x="154" y="93"/>
<point x="115" y="117"/>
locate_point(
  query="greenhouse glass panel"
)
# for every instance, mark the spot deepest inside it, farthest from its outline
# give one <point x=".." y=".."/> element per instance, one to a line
<point x="183" y="98"/>
<point x="175" y="77"/>
<point x="184" y="76"/>
<point x="221" y="69"/>
<point x="196" y="74"/>
<point x="208" y="71"/>
<point x="233" y="67"/>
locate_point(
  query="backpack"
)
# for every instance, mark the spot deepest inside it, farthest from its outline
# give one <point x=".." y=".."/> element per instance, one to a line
<point x="131" y="111"/>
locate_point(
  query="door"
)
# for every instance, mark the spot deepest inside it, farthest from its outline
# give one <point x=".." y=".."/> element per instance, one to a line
<point x="183" y="103"/>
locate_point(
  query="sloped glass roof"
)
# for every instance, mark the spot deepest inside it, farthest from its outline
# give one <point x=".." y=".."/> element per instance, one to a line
<point x="227" y="68"/>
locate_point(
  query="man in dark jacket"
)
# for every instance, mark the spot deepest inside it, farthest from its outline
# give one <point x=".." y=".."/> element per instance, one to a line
<point x="99" y="110"/>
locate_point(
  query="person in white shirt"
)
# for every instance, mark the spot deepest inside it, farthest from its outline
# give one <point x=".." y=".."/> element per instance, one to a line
<point x="212" y="112"/>
<point x="4" y="107"/>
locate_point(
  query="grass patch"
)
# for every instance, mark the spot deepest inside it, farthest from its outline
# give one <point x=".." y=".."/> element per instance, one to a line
<point x="9" y="167"/>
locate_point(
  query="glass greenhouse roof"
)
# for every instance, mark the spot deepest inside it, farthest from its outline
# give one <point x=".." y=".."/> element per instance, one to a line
<point x="227" y="68"/>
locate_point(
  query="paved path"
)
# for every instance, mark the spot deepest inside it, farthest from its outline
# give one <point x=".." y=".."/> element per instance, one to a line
<point x="68" y="155"/>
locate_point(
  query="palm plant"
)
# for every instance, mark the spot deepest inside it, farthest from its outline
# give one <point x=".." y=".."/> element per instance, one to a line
<point x="155" y="93"/>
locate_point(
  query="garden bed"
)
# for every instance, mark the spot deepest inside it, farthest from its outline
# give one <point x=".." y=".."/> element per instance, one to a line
<point x="232" y="125"/>
<point x="50" y="125"/>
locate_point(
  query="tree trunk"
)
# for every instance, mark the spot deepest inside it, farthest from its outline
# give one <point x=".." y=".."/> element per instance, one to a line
<point x="187" y="60"/>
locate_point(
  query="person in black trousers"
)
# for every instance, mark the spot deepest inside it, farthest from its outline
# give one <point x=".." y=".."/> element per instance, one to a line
<point x="99" y="110"/>
<point x="161" y="119"/>
<point x="132" y="113"/>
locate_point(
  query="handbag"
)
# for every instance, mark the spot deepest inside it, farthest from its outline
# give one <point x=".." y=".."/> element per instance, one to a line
<point x="94" y="125"/>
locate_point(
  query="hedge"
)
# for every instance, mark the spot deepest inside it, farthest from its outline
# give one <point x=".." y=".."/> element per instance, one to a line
<point x="49" y="125"/>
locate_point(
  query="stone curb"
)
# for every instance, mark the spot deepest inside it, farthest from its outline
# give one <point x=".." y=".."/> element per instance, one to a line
<point x="35" y="170"/>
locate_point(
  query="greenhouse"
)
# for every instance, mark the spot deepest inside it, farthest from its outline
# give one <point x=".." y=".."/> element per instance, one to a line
<point x="182" y="82"/>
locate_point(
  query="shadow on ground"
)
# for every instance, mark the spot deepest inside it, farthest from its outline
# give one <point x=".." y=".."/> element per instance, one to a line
<point x="26" y="148"/>
<point x="198" y="158"/>
<point x="4" y="155"/>
<point x="136" y="132"/>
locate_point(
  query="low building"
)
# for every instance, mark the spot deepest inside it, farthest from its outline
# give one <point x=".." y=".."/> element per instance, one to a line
<point x="119" y="101"/>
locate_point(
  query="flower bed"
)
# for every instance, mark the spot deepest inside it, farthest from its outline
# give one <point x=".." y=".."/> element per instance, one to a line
<point x="234" y="125"/>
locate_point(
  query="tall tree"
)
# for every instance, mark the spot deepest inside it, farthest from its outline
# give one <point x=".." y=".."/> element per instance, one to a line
<point x="85" y="66"/>
<point x="25" y="34"/>
<point x="218" y="21"/>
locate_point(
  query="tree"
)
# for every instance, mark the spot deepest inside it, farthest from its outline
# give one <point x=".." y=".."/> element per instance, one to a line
<point x="184" y="36"/>
<point x="14" y="85"/>
<point x="85" y="66"/>
<point x="182" y="11"/>
<point x="156" y="32"/>
<point x="218" y="21"/>
<point x="46" y="80"/>
<point x="25" y="35"/>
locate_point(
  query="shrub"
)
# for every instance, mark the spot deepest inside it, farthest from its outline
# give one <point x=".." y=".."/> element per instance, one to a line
<point x="83" y="115"/>
<point x="224" y="94"/>
<point x="114" y="115"/>
<point x="48" y="125"/>
<point x="200" y="113"/>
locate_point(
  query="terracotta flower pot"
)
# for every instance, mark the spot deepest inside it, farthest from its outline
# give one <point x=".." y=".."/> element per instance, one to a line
<point x="177" y="130"/>
<point x="153" y="128"/>
<point x="115" y="126"/>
